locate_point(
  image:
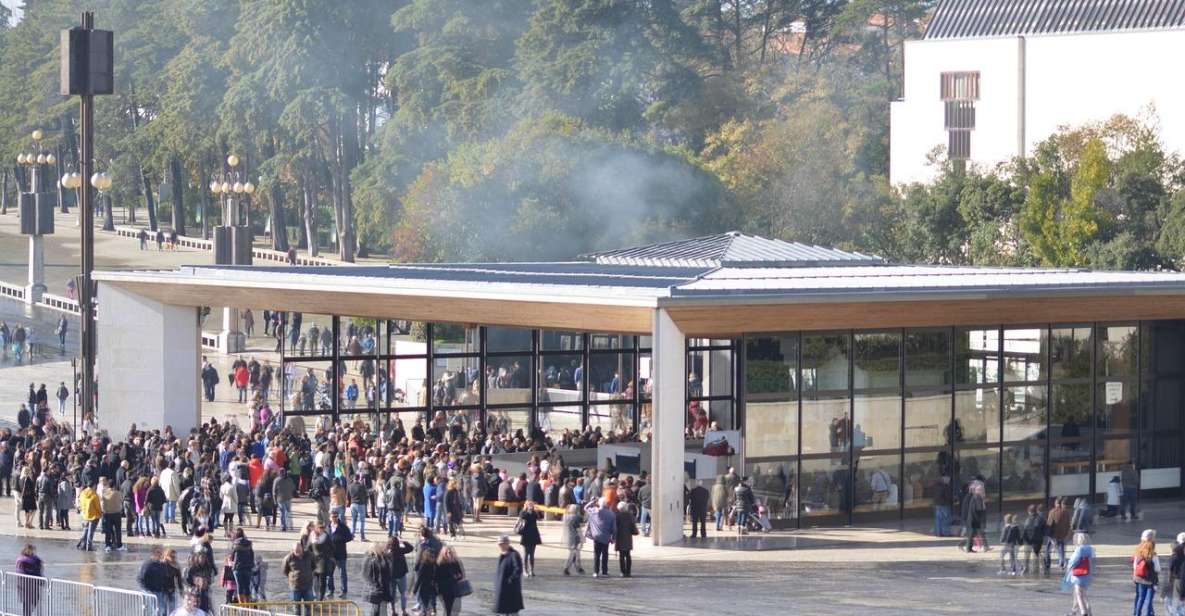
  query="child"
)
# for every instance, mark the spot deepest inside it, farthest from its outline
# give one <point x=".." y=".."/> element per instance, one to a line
<point x="228" y="579"/>
<point x="1114" y="490"/>
<point x="1009" y="538"/>
<point x="259" y="577"/>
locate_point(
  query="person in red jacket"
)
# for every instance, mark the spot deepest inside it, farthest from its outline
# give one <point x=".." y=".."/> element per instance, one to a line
<point x="242" y="378"/>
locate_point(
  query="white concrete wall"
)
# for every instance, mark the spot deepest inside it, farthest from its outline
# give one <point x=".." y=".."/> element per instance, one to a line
<point x="149" y="357"/>
<point x="666" y="453"/>
<point x="1069" y="80"/>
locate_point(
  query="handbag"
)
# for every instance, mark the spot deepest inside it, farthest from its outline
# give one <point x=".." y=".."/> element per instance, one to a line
<point x="518" y="526"/>
<point x="463" y="588"/>
<point x="1082" y="568"/>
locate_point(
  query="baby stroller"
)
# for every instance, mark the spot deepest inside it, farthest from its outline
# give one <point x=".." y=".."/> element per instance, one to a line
<point x="752" y="520"/>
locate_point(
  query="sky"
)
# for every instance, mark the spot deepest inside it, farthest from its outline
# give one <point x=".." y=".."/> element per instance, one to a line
<point x="15" y="5"/>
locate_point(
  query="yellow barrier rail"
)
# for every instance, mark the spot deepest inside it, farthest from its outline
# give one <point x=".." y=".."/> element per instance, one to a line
<point x="328" y="607"/>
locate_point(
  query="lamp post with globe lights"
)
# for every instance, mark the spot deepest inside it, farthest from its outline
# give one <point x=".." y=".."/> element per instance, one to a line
<point x="37" y="205"/>
<point x="232" y="240"/>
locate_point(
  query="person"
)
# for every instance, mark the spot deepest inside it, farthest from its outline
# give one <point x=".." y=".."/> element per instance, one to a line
<point x="242" y="378"/>
<point x="1130" y="483"/>
<point x="451" y="584"/>
<point x="29" y="589"/>
<point x="376" y="572"/>
<point x="47" y="495"/>
<point x="248" y="322"/>
<point x="63" y="326"/>
<point x="974" y="514"/>
<point x="1082" y="518"/>
<point x="1145" y="573"/>
<point x="297" y="567"/>
<point x="746" y="504"/>
<point x="62" y="395"/>
<point x="27" y="488"/>
<point x="243" y="565"/>
<point x="941" y="502"/>
<point x="111" y="502"/>
<point x="173" y="581"/>
<point x="199" y="575"/>
<point x="397" y="551"/>
<point x="425" y="584"/>
<point x="1010" y="537"/>
<point x="528" y="532"/>
<point x="697" y="500"/>
<point x="340" y="535"/>
<point x="1114" y="497"/>
<point x="160" y="239"/>
<point x="1079" y="571"/>
<point x="91" y="512"/>
<point x="477" y="487"/>
<point x="321" y="545"/>
<point x="1175" y="588"/>
<point x="508" y="579"/>
<point x="229" y="495"/>
<point x="359" y="496"/>
<point x="65" y="500"/>
<point x="572" y="538"/>
<point x="152" y="579"/>
<point x="1059" y="532"/>
<point x="626" y="528"/>
<point x="1033" y="536"/>
<point x="454" y="507"/>
<point x="190" y="606"/>
<point x="602" y="528"/>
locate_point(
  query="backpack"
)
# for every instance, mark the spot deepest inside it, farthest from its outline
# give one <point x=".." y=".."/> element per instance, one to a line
<point x="1146" y="570"/>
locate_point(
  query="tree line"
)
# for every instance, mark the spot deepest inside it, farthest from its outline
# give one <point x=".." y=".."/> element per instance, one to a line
<point x="538" y="129"/>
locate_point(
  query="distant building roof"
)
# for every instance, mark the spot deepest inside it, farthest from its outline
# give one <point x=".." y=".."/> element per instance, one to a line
<point x="732" y="249"/>
<point x="987" y="18"/>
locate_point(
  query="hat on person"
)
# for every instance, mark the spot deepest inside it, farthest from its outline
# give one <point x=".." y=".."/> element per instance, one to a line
<point x="1148" y="535"/>
<point x="1180" y="537"/>
<point x="503" y="539"/>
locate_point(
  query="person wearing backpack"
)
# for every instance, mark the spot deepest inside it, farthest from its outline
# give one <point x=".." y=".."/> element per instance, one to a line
<point x="1145" y="573"/>
<point x="1009" y="538"/>
<point x="1034" y="537"/>
<point x="1079" y="572"/>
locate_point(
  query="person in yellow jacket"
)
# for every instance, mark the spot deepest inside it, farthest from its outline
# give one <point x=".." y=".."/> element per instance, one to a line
<point x="91" y="512"/>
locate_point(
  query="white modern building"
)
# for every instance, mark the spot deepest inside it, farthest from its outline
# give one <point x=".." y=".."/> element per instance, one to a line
<point x="992" y="78"/>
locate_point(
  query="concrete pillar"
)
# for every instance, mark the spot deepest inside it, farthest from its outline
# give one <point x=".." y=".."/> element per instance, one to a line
<point x="669" y="371"/>
<point x="231" y="339"/>
<point x="36" y="286"/>
<point x="148" y="363"/>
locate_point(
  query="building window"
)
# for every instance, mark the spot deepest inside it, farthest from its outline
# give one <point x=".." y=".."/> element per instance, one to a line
<point x="959" y="91"/>
<point x="958" y="146"/>
<point x="960" y="86"/>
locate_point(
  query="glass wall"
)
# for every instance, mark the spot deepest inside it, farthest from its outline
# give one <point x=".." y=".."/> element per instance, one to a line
<point x="884" y="425"/>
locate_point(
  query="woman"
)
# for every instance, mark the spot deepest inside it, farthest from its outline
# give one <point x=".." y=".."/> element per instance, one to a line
<point x="454" y="506"/>
<point x="29" y="588"/>
<point x="200" y="574"/>
<point x="397" y="552"/>
<point x="529" y="538"/>
<point x="155" y="499"/>
<point x="1079" y="572"/>
<point x="338" y="501"/>
<point x="624" y="539"/>
<point x="376" y="571"/>
<point x="1145" y="573"/>
<point x="173" y="581"/>
<point x="28" y="492"/>
<point x="572" y="538"/>
<point x="140" y="504"/>
<point x="425" y="585"/>
<point x="450" y="578"/>
<point x="229" y="495"/>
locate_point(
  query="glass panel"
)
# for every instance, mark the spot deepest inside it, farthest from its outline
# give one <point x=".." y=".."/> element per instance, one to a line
<point x="644" y="376"/>
<point x="1117" y="408"/>
<point x="774" y="485"/>
<point x="977" y="416"/>
<point x="456" y="381"/>
<point x="977" y="356"/>
<point x="508" y="379"/>
<point x="1024" y="412"/>
<point x="308" y="385"/>
<point x="1069" y="462"/>
<point x="824" y="362"/>
<point x="560" y="341"/>
<point x="876" y="361"/>
<point x="559" y="378"/>
<point x="878" y="488"/>
<point x="599" y="342"/>
<point x="825" y="425"/>
<point x="398" y="425"/>
<point x="509" y="422"/>
<point x="927" y="482"/>
<point x="1024" y="354"/>
<point x="1071" y="353"/>
<point x="1162" y="347"/>
<point x="307" y="334"/>
<point x="977" y="463"/>
<point x="1070" y="416"/>
<point x="609" y="375"/>
<point x="614" y="420"/>
<point x="562" y="424"/>
<point x="645" y="342"/>
<point x="707" y="415"/>
<point x="927" y="358"/>
<point x="507" y="339"/>
<point x="709" y="373"/>
<point x="1161" y="405"/>
<point x="406" y="337"/>
<point x="452" y="424"/>
<point x="877" y="422"/>
<point x="927" y="417"/>
<point x="825" y="490"/>
<point x="1024" y="472"/>
<point x="454" y="338"/>
<point x="1117" y="350"/>
<point x="1114" y="459"/>
<point x="1160" y="461"/>
<point x="409" y="378"/>
<point x="358" y="337"/>
<point x="771" y="429"/>
<point x="771" y="367"/>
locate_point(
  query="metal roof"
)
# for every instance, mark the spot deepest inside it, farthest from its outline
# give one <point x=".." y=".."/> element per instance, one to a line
<point x="732" y="249"/>
<point x="985" y="18"/>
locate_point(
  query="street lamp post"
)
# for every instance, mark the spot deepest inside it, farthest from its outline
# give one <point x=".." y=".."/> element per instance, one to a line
<point x="232" y="241"/>
<point x="37" y="213"/>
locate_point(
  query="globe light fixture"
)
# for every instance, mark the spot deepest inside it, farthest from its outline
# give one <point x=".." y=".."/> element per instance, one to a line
<point x="38" y="134"/>
<point x="50" y="159"/>
<point x="232" y="160"/>
<point x="249" y="188"/>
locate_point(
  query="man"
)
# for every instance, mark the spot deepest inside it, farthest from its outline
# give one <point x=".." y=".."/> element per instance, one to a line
<point x="209" y="378"/>
<point x="746" y="503"/>
<point x="698" y="503"/>
<point x="321" y="546"/>
<point x="283" y="491"/>
<point x="319" y="492"/>
<point x="602" y="528"/>
<point x="941" y="501"/>
<point x="242" y="379"/>
<point x="5" y="469"/>
<point x="359" y="497"/>
<point x="644" y="502"/>
<point x="298" y="568"/>
<point x="153" y="579"/>
<point x="62" y="395"/>
<point x="1058" y="524"/>
<point x="508" y="579"/>
<point x="190" y="606"/>
<point x="477" y="487"/>
<point x="47" y="495"/>
<point x="63" y="325"/>
<point x="1131" y="487"/>
<point x="339" y="536"/>
<point x="393" y="494"/>
<point x="91" y="512"/>
<point x="170" y="483"/>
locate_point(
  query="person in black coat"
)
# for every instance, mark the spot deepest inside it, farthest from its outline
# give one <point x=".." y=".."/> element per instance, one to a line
<point x="698" y="503"/>
<point x="528" y="531"/>
<point x="449" y="576"/>
<point x="397" y="552"/>
<point x="376" y="571"/>
<point x="508" y="580"/>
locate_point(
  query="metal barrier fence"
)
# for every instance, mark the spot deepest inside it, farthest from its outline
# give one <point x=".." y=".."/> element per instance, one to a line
<point x="328" y="607"/>
<point x="261" y="254"/>
<point x="59" y="303"/>
<point x="12" y="291"/>
<point x="27" y="595"/>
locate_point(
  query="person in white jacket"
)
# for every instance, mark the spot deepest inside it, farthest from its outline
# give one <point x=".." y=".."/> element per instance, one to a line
<point x="230" y="504"/>
<point x="170" y="482"/>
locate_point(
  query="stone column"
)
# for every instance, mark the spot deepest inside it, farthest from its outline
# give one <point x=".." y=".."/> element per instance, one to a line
<point x="669" y="371"/>
<point x="36" y="286"/>
<point x="149" y="358"/>
<point x="231" y="339"/>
